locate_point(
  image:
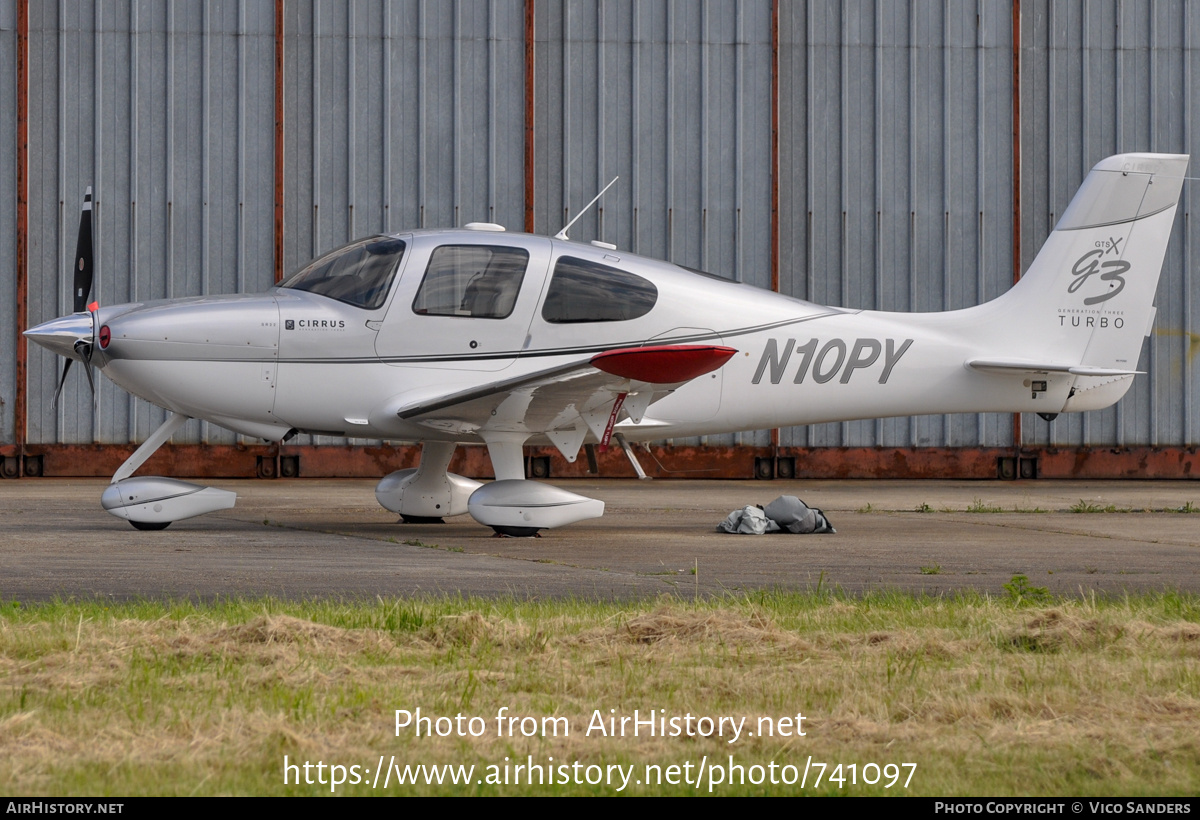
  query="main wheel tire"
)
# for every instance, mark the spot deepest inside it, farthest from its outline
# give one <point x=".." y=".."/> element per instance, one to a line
<point x="517" y="532"/>
<point x="147" y="525"/>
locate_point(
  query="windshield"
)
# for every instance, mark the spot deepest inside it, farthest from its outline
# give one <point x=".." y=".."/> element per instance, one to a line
<point x="358" y="274"/>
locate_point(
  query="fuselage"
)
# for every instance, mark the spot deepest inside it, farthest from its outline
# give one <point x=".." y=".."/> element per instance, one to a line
<point x="296" y="359"/>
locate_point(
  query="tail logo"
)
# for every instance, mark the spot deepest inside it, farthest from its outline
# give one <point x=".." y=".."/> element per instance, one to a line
<point x="1113" y="271"/>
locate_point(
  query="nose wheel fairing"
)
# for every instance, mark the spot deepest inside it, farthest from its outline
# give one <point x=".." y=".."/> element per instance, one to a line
<point x="153" y="502"/>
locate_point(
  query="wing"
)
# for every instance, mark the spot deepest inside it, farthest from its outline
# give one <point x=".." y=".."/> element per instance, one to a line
<point x="567" y="401"/>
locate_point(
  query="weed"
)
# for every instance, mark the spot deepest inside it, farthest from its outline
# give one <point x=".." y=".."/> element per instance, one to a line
<point x="1088" y="507"/>
<point x="1186" y="508"/>
<point x="936" y="569"/>
<point x="1021" y="592"/>
<point x="977" y="506"/>
<point x="923" y="508"/>
<point x="866" y="508"/>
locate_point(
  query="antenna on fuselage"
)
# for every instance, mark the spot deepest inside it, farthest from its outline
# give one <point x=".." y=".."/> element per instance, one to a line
<point x="563" y="233"/>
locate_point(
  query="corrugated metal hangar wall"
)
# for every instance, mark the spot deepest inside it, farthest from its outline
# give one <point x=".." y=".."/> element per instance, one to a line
<point x="889" y="155"/>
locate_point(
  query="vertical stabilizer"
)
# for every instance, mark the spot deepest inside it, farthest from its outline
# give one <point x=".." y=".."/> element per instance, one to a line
<point x="1088" y="298"/>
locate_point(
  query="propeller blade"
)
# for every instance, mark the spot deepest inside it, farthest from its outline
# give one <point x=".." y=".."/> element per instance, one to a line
<point x="84" y="349"/>
<point x="83" y="254"/>
<point x="62" y="381"/>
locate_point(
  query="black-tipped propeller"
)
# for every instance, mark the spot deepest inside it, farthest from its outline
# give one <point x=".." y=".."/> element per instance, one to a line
<point x="83" y="255"/>
<point x="83" y="291"/>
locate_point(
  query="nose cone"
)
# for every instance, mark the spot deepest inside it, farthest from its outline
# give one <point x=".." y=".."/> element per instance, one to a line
<point x="60" y="335"/>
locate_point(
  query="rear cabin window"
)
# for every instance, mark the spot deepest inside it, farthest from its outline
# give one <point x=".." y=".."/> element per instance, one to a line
<point x="583" y="291"/>
<point x="472" y="280"/>
<point x="358" y="274"/>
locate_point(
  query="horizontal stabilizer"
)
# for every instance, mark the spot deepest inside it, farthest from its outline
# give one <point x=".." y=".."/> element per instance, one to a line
<point x="1024" y="366"/>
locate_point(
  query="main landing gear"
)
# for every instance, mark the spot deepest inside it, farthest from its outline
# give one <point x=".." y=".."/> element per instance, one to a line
<point x="511" y="505"/>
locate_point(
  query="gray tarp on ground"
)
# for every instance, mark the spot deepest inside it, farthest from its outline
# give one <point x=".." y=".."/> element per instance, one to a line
<point x="784" y="513"/>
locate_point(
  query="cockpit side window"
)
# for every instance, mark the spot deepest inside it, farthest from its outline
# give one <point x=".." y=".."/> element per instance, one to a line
<point x="472" y="280"/>
<point x="358" y="274"/>
<point x="583" y="291"/>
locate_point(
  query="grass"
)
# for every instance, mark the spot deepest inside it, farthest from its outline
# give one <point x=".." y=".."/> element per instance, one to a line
<point x="1088" y="507"/>
<point x="986" y="695"/>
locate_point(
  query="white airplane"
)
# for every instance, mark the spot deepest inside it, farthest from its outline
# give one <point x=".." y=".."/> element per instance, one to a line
<point x="478" y="335"/>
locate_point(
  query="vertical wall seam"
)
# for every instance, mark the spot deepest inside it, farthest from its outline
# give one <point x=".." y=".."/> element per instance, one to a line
<point x="600" y="92"/>
<point x="351" y="115"/>
<point x="670" y="134"/>
<point x="22" y="272"/>
<point x="205" y="148"/>
<point x="456" y="131"/>
<point x="1152" y="415"/>
<point x="912" y="424"/>
<point x="170" y="150"/>
<point x="241" y="149"/>
<point x="740" y="49"/>
<point x="529" y="111"/>
<point x="843" y="428"/>
<point x="877" y="52"/>
<point x="492" y="115"/>
<point x="1118" y="124"/>
<point x="1187" y="239"/>
<point x="315" y="238"/>
<point x="635" y="74"/>
<point x="774" y="236"/>
<point x="981" y="426"/>
<point x="1085" y="154"/>
<point x="386" y="117"/>
<point x="61" y="184"/>
<point x="97" y="163"/>
<point x="705" y="55"/>
<point x="205" y="165"/>
<point x="948" y="46"/>
<point x="279" y="133"/>
<point x="131" y="292"/>
<point x="566" y="118"/>
<point x="1016" y="173"/>
<point x="422" y="18"/>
